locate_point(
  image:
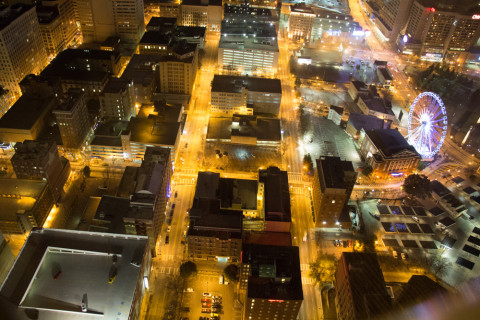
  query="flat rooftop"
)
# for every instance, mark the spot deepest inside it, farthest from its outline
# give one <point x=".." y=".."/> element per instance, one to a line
<point x="85" y="260"/>
<point x="201" y="3"/>
<point x="156" y="37"/>
<point x="241" y="36"/>
<point x="366" y="122"/>
<point x="277" y="194"/>
<point x="268" y="263"/>
<point x="9" y="14"/>
<point x="333" y="172"/>
<point x="26" y="111"/>
<point x="264" y="129"/>
<point x="152" y="131"/>
<point x="32" y="149"/>
<point x="389" y="141"/>
<point x="226" y="83"/>
<point x="67" y="104"/>
<point x="245" y="10"/>
<point x="116" y="85"/>
<point x="17" y="195"/>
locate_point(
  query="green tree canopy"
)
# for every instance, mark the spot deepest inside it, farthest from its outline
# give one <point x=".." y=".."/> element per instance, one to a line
<point x="188" y="270"/>
<point x="231" y="272"/>
<point x="308" y="164"/>
<point x="322" y="270"/>
<point x="418" y="186"/>
<point x="367" y="171"/>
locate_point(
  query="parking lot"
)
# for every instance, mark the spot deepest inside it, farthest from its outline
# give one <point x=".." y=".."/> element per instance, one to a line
<point x="210" y="299"/>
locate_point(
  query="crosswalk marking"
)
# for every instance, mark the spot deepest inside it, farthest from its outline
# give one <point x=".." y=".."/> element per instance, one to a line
<point x="167" y="257"/>
<point x="304" y="267"/>
<point x="168" y="270"/>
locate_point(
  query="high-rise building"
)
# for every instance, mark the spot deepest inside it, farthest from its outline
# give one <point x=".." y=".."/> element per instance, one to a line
<point x="438" y="30"/>
<point x="162" y="8"/>
<point x="202" y="13"/>
<point x="72" y="119"/>
<point x="66" y="11"/>
<point x="248" y="48"/>
<point x="390" y="16"/>
<point x="102" y="19"/>
<point x="117" y="101"/>
<point x="37" y="160"/>
<point x="21" y="47"/>
<point x="272" y="279"/>
<point x="300" y="22"/>
<point x="6" y="101"/>
<point x="360" y="288"/>
<point x="332" y="186"/>
<point x="178" y="71"/>
<point x="51" y="30"/>
<point x="66" y="274"/>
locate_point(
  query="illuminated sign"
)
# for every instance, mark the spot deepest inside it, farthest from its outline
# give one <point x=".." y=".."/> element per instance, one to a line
<point x="405" y="39"/>
<point x="432" y="10"/>
<point x="396" y="174"/>
<point x="358" y="33"/>
<point x="304" y="61"/>
<point x="273" y="300"/>
<point x="476" y="17"/>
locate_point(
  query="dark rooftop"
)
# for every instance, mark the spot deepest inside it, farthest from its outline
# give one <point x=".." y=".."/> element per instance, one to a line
<point x="333" y="172"/>
<point x="269" y="266"/>
<point x="26" y="111"/>
<point x="116" y="85"/>
<point x="163" y="22"/>
<point x="267" y="238"/>
<point x="366" y="122"/>
<point x="156" y="37"/>
<point x="389" y="141"/>
<point x="67" y="103"/>
<point x="9" y="14"/>
<point x="277" y="194"/>
<point x="439" y="188"/>
<point x="188" y="31"/>
<point x="225" y="83"/>
<point x="152" y="131"/>
<point x="419" y="288"/>
<point x="245" y="10"/>
<point x="46" y="14"/>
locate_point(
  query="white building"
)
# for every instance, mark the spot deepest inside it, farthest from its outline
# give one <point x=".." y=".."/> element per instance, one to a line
<point x="22" y="51"/>
<point x="248" y="49"/>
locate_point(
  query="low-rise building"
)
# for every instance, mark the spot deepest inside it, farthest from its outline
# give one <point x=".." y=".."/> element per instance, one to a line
<point x="245" y="95"/>
<point x="385" y="77"/>
<point x="358" y="121"/>
<point x="376" y="106"/>
<point x="271" y="278"/>
<point x="69" y="274"/>
<point x="163" y="8"/>
<point x="389" y="154"/>
<point x="117" y="101"/>
<point x="6" y="258"/>
<point x="246" y="130"/>
<point x="335" y="113"/>
<point x="202" y="13"/>
<point x="246" y="13"/>
<point x="360" y="290"/>
<point x="277" y="208"/>
<point x="248" y="48"/>
<point x="162" y="23"/>
<point x="27" y="117"/>
<point x="25" y="204"/>
<point x="39" y="160"/>
<point x="214" y="233"/>
<point x="332" y="186"/>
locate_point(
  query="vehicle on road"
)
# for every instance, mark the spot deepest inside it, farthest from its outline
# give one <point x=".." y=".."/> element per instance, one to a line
<point x="220" y="279"/>
<point x="395" y="254"/>
<point x="169" y="228"/>
<point x="176" y="194"/>
<point x="205" y="310"/>
<point x="404" y="256"/>
<point x="206" y="294"/>
<point x="167" y="239"/>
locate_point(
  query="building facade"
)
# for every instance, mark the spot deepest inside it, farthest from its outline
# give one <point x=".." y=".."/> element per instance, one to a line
<point x="245" y="95"/>
<point x="22" y="51"/>
<point x="389" y="154"/>
<point x="177" y="72"/>
<point x="102" y="19"/>
<point x="117" y="101"/>
<point x="51" y="29"/>
<point x="300" y="22"/>
<point x="72" y="119"/>
<point x="360" y="290"/>
<point x="66" y="11"/>
<point x="332" y="186"/>
<point x="248" y="49"/>
<point x="202" y="13"/>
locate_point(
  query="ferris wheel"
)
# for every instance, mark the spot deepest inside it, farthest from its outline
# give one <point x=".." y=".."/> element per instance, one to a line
<point x="427" y="124"/>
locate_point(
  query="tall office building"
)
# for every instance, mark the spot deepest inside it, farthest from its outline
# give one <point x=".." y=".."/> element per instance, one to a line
<point x="390" y="16"/>
<point x="72" y="119"/>
<point x="332" y="186"/>
<point x="51" y="30"/>
<point x="360" y="288"/>
<point x="117" y="101"/>
<point x="441" y="29"/>
<point x="102" y="19"/>
<point x="178" y="71"/>
<point x="300" y="22"/>
<point x="66" y="13"/>
<point x="21" y="47"/>
<point x="202" y="13"/>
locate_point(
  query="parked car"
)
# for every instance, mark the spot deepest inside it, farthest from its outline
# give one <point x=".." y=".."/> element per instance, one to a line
<point x="404" y="256"/>
<point x="206" y="294"/>
<point x="167" y="239"/>
<point x="220" y="279"/>
<point x="395" y="254"/>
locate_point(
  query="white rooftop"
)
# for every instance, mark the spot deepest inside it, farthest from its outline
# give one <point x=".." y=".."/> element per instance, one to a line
<point x="82" y="263"/>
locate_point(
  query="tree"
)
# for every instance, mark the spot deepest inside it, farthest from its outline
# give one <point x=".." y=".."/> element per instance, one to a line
<point x="436" y="265"/>
<point x="418" y="186"/>
<point x="86" y="171"/>
<point x="421" y="165"/>
<point x="188" y="270"/>
<point x="322" y="270"/>
<point x="367" y="171"/>
<point x="308" y="164"/>
<point x="231" y="272"/>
